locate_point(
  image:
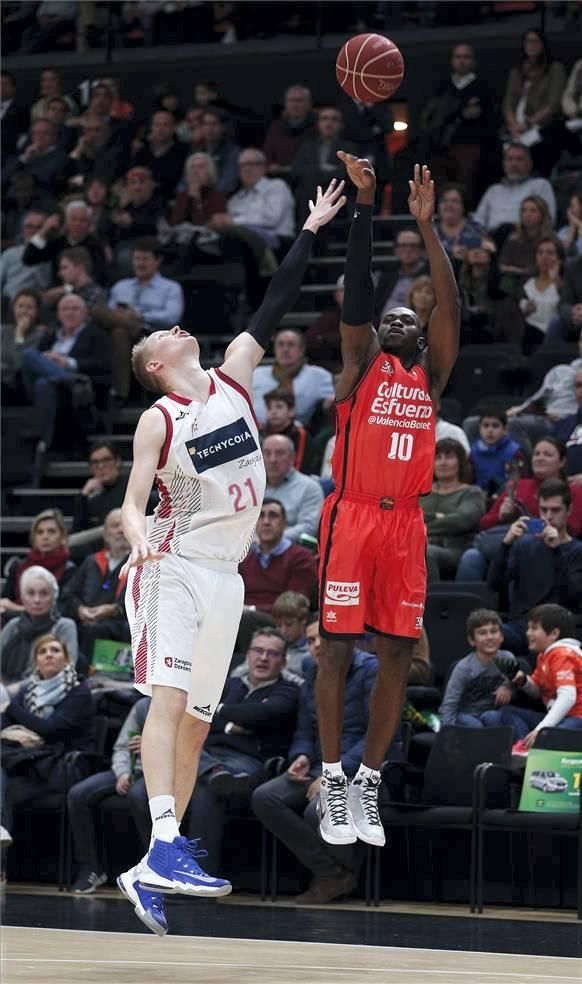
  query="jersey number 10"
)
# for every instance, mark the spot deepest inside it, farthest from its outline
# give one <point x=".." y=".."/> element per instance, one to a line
<point x="401" y="447"/>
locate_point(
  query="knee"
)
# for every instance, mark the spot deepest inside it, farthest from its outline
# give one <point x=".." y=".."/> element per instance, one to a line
<point x="491" y="719"/>
<point x="168" y="703"/>
<point x="194" y="730"/>
<point x="261" y="799"/>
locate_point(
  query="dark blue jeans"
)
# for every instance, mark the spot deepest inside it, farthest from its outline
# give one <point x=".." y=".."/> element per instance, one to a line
<point x="523" y="720"/>
<point x="81" y="803"/>
<point x="41" y="379"/>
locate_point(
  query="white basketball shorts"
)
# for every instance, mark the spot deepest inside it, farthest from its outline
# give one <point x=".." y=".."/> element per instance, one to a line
<point x="184" y="617"/>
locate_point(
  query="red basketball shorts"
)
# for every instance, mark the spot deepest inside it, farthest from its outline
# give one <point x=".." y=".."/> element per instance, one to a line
<point x="372" y="566"/>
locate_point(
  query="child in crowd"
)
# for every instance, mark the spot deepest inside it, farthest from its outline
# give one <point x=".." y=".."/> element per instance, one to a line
<point x="557" y="678"/>
<point x="290" y="613"/>
<point x="480" y="681"/>
<point x="493" y="451"/>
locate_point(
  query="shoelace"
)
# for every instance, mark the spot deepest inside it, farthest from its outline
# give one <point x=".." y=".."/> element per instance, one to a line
<point x="370" y="802"/>
<point x="337" y="800"/>
<point x="193" y="852"/>
<point x="93" y="879"/>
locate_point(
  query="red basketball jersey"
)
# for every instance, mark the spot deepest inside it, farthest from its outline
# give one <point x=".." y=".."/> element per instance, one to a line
<point x="386" y="432"/>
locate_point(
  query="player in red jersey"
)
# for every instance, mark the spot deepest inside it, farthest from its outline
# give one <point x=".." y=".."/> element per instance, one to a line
<point x="372" y="533"/>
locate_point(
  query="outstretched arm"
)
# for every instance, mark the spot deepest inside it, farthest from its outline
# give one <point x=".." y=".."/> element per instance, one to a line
<point x="246" y="351"/>
<point x="443" y="326"/>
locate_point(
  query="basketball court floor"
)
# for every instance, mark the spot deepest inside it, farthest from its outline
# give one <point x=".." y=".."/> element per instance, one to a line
<point x="50" y="937"/>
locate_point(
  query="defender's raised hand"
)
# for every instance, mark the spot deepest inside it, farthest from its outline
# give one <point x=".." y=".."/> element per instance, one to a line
<point x="421" y="198"/>
<point x="327" y="204"/>
<point x="360" y="170"/>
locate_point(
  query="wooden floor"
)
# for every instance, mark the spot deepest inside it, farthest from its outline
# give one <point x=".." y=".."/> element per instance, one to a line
<point x="47" y="956"/>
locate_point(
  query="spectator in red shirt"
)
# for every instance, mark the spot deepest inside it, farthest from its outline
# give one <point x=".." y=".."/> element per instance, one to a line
<point x="285" y="135"/>
<point x="274" y="564"/>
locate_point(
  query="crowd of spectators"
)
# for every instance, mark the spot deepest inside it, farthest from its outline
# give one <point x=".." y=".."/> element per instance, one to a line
<point x="108" y="221"/>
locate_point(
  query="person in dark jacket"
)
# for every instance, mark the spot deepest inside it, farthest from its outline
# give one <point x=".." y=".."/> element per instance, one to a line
<point x="285" y="136"/>
<point x="51" y="714"/>
<point x="287" y="805"/>
<point x="95" y="594"/>
<point x="44" y="247"/>
<point x="538" y="568"/>
<point x="569" y="430"/>
<point x="48" y="548"/>
<point x="253" y="723"/>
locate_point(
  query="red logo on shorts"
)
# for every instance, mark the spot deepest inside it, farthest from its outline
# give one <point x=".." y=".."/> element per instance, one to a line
<point x="169" y="661"/>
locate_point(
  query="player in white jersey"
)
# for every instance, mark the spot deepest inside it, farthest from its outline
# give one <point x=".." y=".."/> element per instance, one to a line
<point x="200" y="443"/>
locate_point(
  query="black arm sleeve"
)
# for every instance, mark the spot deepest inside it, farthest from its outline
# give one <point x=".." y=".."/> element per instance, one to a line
<point x="358" y="305"/>
<point x="283" y="289"/>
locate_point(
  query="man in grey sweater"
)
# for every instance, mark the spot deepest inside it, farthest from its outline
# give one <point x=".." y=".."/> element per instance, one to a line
<point x="479" y="682"/>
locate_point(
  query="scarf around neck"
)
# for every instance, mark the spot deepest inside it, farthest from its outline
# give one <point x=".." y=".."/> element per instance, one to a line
<point x="285" y="377"/>
<point x="42" y="696"/>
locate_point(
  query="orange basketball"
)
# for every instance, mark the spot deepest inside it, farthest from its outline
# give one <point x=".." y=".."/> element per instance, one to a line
<point x="369" y="68"/>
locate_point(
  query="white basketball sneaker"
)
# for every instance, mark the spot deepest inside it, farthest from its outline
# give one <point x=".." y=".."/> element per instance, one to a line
<point x="335" y="820"/>
<point x="363" y="804"/>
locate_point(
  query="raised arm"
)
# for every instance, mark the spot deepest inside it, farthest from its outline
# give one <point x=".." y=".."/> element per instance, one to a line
<point x="359" y="340"/>
<point x="148" y="441"/>
<point x="443" y="326"/>
<point x="247" y="350"/>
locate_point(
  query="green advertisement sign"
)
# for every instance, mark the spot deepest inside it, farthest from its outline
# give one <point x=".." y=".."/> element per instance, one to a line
<point x="552" y="782"/>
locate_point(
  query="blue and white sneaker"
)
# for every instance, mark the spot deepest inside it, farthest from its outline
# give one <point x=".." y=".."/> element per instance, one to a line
<point x="173" y="868"/>
<point x="148" y="906"/>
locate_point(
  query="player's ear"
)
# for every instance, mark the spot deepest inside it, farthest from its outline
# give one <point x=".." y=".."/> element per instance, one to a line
<point x="421" y="342"/>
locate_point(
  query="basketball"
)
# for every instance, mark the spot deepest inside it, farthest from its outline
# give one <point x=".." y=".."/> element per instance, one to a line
<point x="369" y="68"/>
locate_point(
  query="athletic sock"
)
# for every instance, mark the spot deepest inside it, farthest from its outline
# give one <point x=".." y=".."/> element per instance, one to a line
<point x="365" y="773"/>
<point x="164" y="824"/>
<point x="335" y="768"/>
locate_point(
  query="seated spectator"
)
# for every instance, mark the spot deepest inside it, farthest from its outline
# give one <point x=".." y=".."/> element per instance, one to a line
<point x="50" y="87"/>
<point x="479" y="682"/>
<point x="499" y="206"/>
<point x="202" y="198"/>
<point x="459" y="123"/>
<point x="451" y="510"/>
<point x="76" y="232"/>
<point x="556" y="679"/>
<point x="322" y="338"/>
<point x="480" y="296"/>
<point x="94" y="595"/>
<point x="531" y="104"/>
<point x="555" y="397"/>
<point x="568" y="322"/>
<point x="301" y="495"/>
<point x="520" y="498"/>
<point x="102" y="492"/>
<point x="54" y="27"/>
<point x="96" y="150"/>
<point x="15" y="116"/>
<point x="569" y="430"/>
<point x="263" y="205"/>
<point x="48" y="549"/>
<point x="14" y="274"/>
<point x="287" y="805"/>
<point x="124" y="778"/>
<point x="494" y="451"/>
<point x="274" y="564"/>
<point x="393" y="286"/>
<point x="281" y="419"/>
<point x="310" y="384"/>
<point x="444" y="428"/>
<point x="21" y="332"/>
<point x="101" y="106"/>
<point x="75" y="272"/>
<point x="39" y="593"/>
<point x="366" y="126"/>
<point x="51" y="713"/>
<point x="161" y="153"/>
<point x="316" y="161"/>
<point x="41" y="158"/>
<point x="98" y="195"/>
<point x="139" y="208"/>
<point x="537" y="568"/>
<point x="456" y="232"/>
<point x="77" y="347"/>
<point x="58" y="113"/>
<point x="422" y="299"/>
<point x="572" y="95"/>
<point x="253" y="723"/>
<point x="215" y="141"/>
<point x="290" y="614"/>
<point x="539" y="295"/>
<point x="144" y="303"/>
<point x="286" y="135"/>
<point x="517" y="257"/>
<point x="570" y="234"/>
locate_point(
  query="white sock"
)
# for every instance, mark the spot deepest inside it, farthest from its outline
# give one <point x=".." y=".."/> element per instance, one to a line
<point x="164" y="823"/>
<point x="335" y="768"/>
<point x="365" y="773"/>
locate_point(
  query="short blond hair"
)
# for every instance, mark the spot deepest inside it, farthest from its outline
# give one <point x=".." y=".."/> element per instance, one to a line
<point x="139" y="356"/>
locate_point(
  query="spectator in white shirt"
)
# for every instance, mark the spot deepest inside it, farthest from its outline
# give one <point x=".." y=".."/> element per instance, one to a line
<point x="310" y="384"/>
<point x="263" y="204"/>
<point x="500" y="204"/>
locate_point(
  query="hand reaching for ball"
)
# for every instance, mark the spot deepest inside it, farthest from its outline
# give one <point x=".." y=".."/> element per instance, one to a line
<point x="421" y="198"/>
<point x="360" y="171"/>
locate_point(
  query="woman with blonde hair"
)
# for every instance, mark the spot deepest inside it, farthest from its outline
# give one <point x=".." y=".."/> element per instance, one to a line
<point x="200" y="201"/>
<point x="517" y="258"/>
<point x="48" y="548"/>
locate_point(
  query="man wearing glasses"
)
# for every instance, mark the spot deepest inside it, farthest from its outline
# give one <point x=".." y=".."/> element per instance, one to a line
<point x="103" y="491"/>
<point x="393" y="287"/>
<point x="253" y="723"/>
<point x="14" y="275"/>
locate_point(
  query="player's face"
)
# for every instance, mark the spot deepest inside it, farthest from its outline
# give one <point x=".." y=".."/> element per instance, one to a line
<point x="399" y="332"/>
<point x="487" y="639"/>
<point x="171" y="347"/>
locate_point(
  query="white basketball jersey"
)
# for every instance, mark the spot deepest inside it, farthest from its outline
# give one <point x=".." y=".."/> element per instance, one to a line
<point x="211" y="475"/>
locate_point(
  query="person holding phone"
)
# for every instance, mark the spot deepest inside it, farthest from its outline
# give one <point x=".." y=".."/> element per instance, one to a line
<point x="538" y="562"/>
